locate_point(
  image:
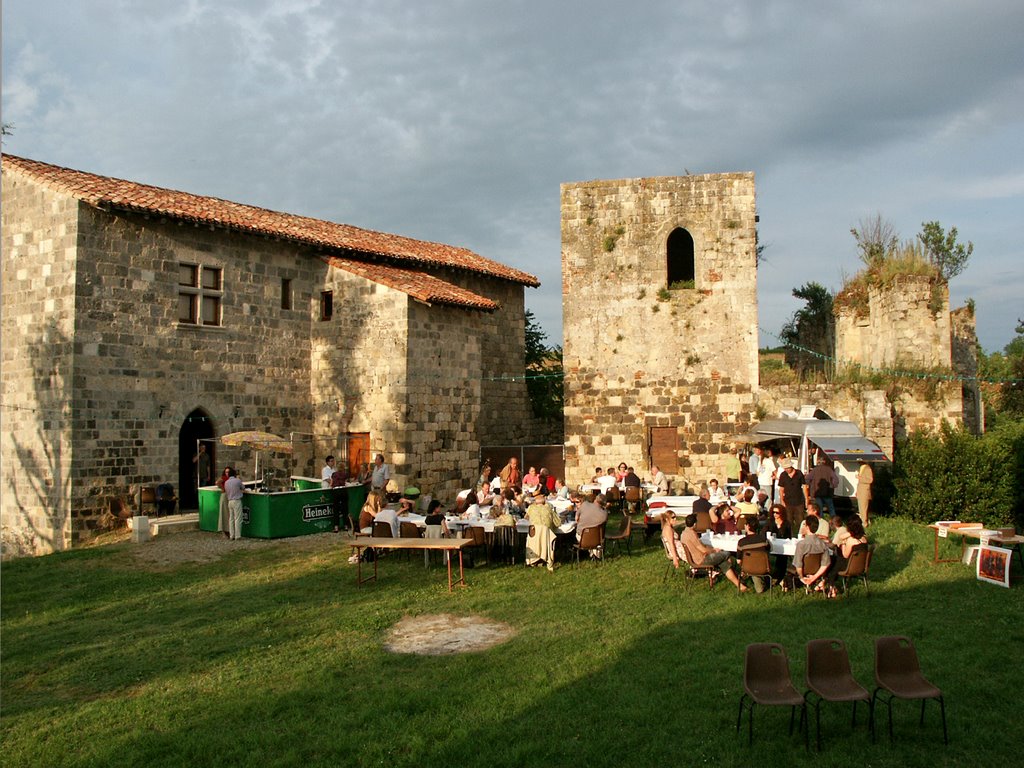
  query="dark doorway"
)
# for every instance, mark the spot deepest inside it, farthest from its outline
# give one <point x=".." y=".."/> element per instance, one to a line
<point x="197" y="426"/>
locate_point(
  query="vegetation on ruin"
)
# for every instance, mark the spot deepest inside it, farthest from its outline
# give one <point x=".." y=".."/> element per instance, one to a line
<point x="934" y="255"/>
<point x="612" y="239"/>
<point x="273" y="656"/>
<point x="682" y="285"/>
<point x="664" y="294"/>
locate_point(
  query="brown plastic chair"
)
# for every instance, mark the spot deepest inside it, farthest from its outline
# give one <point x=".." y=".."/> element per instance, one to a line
<point x="766" y="682"/>
<point x="632" y="499"/>
<point x="754" y="562"/>
<point x="503" y="546"/>
<point x="477" y="534"/>
<point x="830" y="679"/>
<point x="898" y="674"/>
<point x="407" y="530"/>
<point x="382" y="530"/>
<point x="592" y="541"/>
<point x="624" y="534"/>
<point x="857" y="567"/>
<point x="703" y="522"/>
<point x="699" y="569"/>
<point x="812" y="562"/>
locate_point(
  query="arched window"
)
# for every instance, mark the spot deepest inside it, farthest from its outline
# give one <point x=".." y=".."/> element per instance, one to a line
<point x="679" y="266"/>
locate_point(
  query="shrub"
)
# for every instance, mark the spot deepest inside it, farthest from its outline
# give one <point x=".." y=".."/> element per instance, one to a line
<point x="955" y="475"/>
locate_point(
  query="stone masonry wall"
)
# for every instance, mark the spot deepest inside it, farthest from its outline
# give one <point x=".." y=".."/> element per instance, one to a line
<point x="134" y="360"/>
<point x="639" y="355"/>
<point x="39" y="230"/>
<point x="964" y="350"/>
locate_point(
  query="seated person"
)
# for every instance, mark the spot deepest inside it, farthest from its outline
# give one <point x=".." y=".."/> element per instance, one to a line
<point x="531" y="480"/>
<point x="406" y="506"/>
<point x="561" y="490"/>
<point x="598" y="474"/>
<point x="590" y="514"/>
<point x="631" y="480"/>
<point x="547" y="480"/>
<point x="373" y="505"/>
<point x="472" y="508"/>
<point x="753" y="540"/>
<point x="701" y="503"/>
<point x="513" y="503"/>
<point x="708" y="555"/>
<point x="723" y="519"/>
<point x="607" y="481"/>
<point x="854" y="535"/>
<point x="435" y="516"/>
<point x="780" y="528"/>
<point x="716" y="494"/>
<point x="669" y="537"/>
<point x="810" y="544"/>
<point x="390" y="516"/>
<point x="818" y="527"/>
<point x="746" y="507"/>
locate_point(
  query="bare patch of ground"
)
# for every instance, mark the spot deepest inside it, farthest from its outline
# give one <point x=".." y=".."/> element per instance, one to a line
<point x="171" y="549"/>
<point x="441" y="634"/>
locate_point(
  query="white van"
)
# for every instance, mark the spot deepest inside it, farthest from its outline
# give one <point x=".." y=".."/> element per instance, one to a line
<point x="801" y="434"/>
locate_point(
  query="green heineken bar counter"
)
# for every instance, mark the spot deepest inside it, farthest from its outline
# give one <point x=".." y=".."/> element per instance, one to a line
<point x="286" y="513"/>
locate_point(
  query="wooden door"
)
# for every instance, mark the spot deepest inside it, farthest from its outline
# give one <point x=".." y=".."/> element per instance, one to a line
<point x="357" y="452"/>
<point x="663" y="449"/>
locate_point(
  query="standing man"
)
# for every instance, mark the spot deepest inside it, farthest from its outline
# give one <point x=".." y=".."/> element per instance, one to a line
<point x="511" y="476"/>
<point x="733" y="468"/>
<point x="793" y="488"/>
<point x="766" y="472"/>
<point x="822" y="482"/>
<point x="233" y="490"/>
<point x="865" y="477"/>
<point x="381" y="474"/>
<point x="327" y="472"/>
<point x="204" y="467"/>
<point x="754" y="461"/>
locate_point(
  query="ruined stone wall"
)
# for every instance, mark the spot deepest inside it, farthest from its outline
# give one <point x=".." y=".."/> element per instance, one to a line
<point x="964" y="350"/>
<point x="907" y="323"/>
<point x="638" y="354"/>
<point x="39" y="230"/>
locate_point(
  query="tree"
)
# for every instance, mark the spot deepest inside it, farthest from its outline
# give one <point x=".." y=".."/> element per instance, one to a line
<point x="876" y="239"/>
<point x="811" y="328"/>
<point x="544" y="372"/>
<point x="943" y="251"/>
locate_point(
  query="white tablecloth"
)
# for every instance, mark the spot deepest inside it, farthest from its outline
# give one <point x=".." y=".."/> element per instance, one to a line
<point x="730" y="543"/>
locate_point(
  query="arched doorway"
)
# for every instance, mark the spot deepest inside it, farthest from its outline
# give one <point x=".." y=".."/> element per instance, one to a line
<point x="197" y="426"/>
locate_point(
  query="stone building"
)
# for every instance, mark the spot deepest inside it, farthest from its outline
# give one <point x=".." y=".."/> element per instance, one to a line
<point x="137" y="320"/>
<point x="659" y="280"/>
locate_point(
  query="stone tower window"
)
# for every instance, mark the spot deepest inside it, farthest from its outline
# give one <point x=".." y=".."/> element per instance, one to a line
<point x="200" y="291"/>
<point x="679" y="264"/>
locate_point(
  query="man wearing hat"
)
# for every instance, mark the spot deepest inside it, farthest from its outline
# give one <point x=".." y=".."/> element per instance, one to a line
<point x="793" y="488"/>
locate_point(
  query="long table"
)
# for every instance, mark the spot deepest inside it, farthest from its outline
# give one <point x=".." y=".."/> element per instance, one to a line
<point x="729" y="542"/>
<point x="448" y="545"/>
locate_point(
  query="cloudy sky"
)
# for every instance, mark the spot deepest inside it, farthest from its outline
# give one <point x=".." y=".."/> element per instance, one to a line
<point x="456" y="120"/>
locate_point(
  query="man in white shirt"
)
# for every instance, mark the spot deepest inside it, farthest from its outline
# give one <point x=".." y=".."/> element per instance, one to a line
<point x="381" y="474"/>
<point x="326" y="472"/>
<point x="659" y="479"/>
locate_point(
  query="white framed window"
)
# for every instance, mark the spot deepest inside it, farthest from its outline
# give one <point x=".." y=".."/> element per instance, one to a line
<point x="200" y="292"/>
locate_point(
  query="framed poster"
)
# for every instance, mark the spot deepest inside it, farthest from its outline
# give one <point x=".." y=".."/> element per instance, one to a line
<point x="994" y="565"/>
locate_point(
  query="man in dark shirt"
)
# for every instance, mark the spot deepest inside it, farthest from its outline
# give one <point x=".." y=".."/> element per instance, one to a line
<point x="794" y="489"/>
<point x="702" y="504"/>
<point x="631" y="480"/>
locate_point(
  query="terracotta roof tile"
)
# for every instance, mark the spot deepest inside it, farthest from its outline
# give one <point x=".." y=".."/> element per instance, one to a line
<point x="104" y="191"/>
<point x="420" y="285"/>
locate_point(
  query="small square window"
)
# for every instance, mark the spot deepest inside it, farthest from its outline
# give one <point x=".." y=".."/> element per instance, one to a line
<point x="187" y="307"/>
<point x="187" y="274"/>
<point x="211" y="278"/>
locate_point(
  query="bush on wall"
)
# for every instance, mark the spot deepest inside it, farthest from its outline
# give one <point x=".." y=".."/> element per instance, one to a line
<point x="954" y="475"/>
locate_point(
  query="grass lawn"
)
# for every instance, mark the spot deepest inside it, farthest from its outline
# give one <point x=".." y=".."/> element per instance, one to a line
<point x="272" y="656"/>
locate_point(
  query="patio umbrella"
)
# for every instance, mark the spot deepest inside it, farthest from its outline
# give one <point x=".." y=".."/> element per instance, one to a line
<point x="260" y="441"/>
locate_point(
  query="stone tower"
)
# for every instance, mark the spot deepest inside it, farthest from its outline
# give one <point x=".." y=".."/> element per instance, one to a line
<point x="660" y="315"/>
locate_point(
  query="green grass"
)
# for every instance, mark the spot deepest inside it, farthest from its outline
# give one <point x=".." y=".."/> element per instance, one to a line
<point x="274" y="657"/>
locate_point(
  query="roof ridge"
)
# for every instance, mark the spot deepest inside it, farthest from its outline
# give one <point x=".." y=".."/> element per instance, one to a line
<point x="97" y="190"/>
